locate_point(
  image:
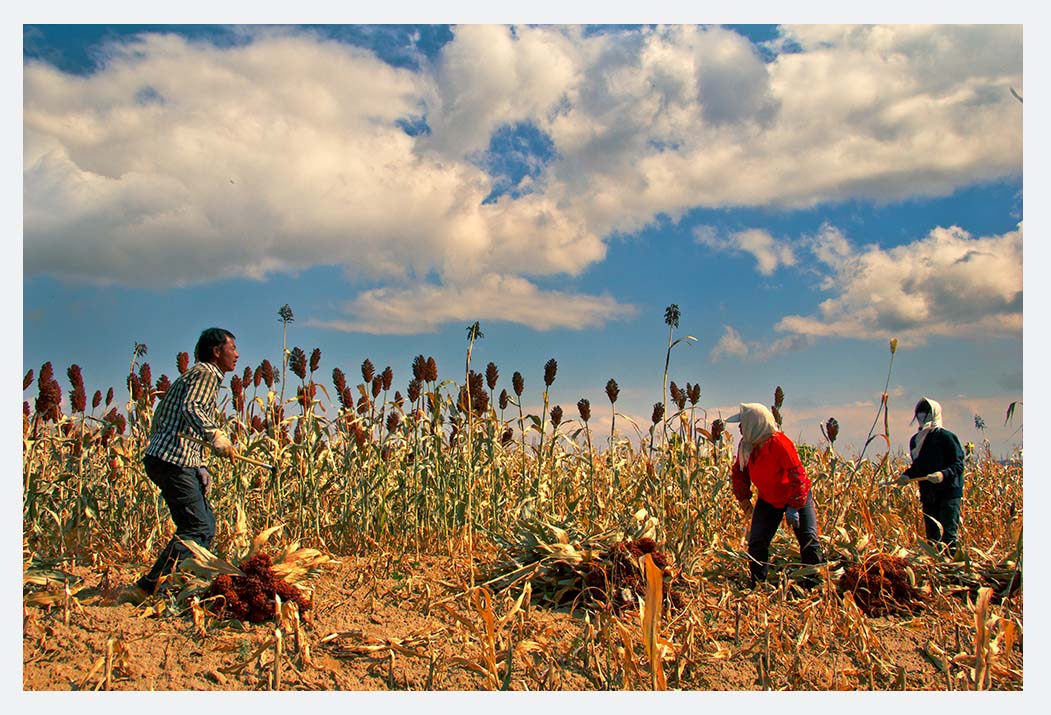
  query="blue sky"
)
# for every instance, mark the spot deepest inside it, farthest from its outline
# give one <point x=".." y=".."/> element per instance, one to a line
<point x="802" y="193"/>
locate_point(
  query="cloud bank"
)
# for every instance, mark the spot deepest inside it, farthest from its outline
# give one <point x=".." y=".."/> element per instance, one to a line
<point x="179" y="162"/>
<point x="947" y="283"/>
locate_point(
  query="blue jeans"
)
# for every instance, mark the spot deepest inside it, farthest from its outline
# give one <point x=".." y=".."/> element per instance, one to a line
<point x="765" y="520"/>
<point x="941" y="521"/>
<point x="193" y="516"/>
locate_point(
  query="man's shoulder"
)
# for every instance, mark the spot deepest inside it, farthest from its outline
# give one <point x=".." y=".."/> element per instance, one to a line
<point x="205" y="369"/>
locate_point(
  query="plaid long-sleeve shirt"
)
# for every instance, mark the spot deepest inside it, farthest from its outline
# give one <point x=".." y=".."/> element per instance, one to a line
<point x="188" y="407"/>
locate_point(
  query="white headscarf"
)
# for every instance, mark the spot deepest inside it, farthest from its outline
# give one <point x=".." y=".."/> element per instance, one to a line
<point x="757" y="426"/>
<point x="934" y="421"/>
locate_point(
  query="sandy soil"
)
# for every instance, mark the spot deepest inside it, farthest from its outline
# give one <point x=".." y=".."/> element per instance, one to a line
<point x="381" y="624"/>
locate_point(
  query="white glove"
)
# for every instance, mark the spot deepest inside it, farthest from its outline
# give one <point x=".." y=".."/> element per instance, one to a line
<point x="792" y="515"/>
<point x="935" y="477"/>
<point x="222" y="445"/>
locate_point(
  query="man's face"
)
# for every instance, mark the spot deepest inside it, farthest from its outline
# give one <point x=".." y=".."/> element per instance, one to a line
<point x="226" y="356"/>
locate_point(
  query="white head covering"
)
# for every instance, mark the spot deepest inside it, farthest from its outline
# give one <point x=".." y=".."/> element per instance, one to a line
<point x="757" y="426"/>
<point x="934" y="421"/>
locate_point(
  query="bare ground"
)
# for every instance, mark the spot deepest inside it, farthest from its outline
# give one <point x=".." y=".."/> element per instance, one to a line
<point x="381" y="623"/>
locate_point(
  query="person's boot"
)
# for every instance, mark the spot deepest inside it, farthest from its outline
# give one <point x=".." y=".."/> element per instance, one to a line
<point x="132" y="593"/>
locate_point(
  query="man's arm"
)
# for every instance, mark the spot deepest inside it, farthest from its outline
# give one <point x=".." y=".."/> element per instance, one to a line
<point x="198" y="407"/>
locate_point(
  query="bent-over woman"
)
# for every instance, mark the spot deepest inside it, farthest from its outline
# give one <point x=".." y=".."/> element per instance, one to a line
<point x="767" y="460"/>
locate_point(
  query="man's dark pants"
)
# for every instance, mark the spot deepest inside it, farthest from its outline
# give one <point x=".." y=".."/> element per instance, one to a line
<point x="193" y="516"/>
<point x="765" y="520"/>
<point x="941" y="521"/>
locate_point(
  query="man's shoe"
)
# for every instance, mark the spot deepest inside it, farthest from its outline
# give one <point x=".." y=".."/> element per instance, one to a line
<point x="132" y="593"/>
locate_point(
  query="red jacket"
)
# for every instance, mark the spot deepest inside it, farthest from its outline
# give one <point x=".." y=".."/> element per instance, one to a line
<point x="777" y="473"/>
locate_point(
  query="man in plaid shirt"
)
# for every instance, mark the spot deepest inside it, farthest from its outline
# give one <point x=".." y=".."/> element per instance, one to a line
<point x="176" y="464"/>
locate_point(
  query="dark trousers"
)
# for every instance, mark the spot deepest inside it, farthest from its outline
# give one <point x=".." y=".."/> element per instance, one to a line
<point x="765" y="520"/>
<point x="193" y="516"/>
<point x="941" y="521"/>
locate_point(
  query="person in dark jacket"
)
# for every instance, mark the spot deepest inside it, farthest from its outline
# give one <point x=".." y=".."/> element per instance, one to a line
<point x="937" y="464"/>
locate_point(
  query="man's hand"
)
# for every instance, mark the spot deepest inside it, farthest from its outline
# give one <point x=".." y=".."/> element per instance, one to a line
<point x="222" y="445"/>
<point x="792" y="515"/>
<point x="205" y="478"/>
<point x="935" y="477"/>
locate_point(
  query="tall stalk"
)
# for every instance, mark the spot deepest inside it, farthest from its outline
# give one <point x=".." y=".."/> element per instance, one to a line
<point x="474" y="332"/>
<point x="284" y="314"/>
<point x="671" y="319"/>
<point x="518" y="385"/>
<point x="550" y="370"/>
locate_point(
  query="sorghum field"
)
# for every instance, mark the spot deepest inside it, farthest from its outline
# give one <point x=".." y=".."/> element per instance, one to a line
<point x="442" y="539"/>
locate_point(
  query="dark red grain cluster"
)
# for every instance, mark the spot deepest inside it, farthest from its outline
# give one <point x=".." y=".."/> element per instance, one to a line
<point x="297" y="362"/>
<point x="251" y="597"/>
<point x="163" y="385"/>
<point x="50" y="396"/>
<point x="479" y="398"/>
<point x="368" y="370"/>
<point x="584" y="408"/>
<point x="550" y="370"/>
<point x="658" y="412"/>
<point x="677" y="395"/>
<point x="265" y="373"/>
<point x="339" y="380"/>
<point x="414" y="390"/>
<point x="78" y="399"/>
<point x="237" y="392"/>
<point x="617" y="578"/>
<point x="881" y="586"/>
<point x="693" y="392"/>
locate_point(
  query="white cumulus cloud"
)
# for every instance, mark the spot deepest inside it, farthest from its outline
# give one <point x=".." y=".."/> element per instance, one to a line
<point x="769" y="252"/>
<point x="424" y="308"/>
<point x="286" y="151"/>
<point x="947" y="283"/>
<point x="732" y="346"/>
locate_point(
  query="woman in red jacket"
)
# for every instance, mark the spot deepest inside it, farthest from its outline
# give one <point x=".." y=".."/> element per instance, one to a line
<point x="767" y="460"/>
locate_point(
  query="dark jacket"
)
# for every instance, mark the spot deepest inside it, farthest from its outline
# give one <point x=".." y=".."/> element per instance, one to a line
<point x="941" y="452"/>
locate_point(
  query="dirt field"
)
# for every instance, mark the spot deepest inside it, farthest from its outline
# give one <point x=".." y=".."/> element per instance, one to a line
<point x="383" y="624"/>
